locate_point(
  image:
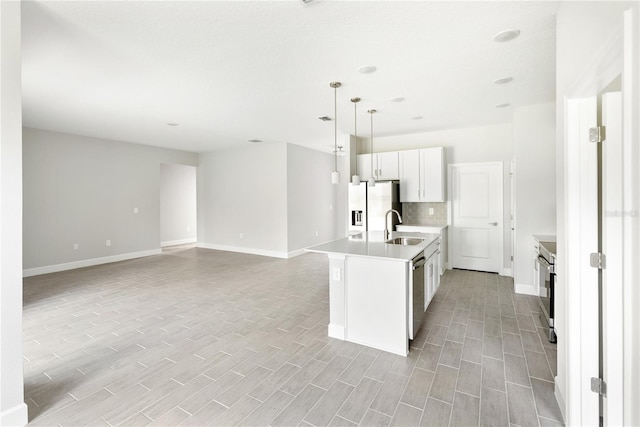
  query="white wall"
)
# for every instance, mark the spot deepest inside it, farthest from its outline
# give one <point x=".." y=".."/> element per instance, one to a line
<point x="81" y="190"/>
<point x="13" y="410"/>
<point x="467" y="145"/>
<point x="310" y="198"/>
<point x="584" y="31"/>
<point x="243" y="191"/>
<point x="534" y="142"/>
<point x="178" y="207"/>
<point x="275" y="195"/>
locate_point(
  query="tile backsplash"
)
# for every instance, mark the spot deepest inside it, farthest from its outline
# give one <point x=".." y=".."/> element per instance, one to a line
<point x="418" y="214"/>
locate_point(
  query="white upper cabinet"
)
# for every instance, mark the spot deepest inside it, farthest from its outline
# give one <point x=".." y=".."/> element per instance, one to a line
<point x="433" y="174"/>
<point x="365" y="167"/>
<point x="410" y="188"/>
<point x="422" y="175"/>
<point x="385" y="166"/>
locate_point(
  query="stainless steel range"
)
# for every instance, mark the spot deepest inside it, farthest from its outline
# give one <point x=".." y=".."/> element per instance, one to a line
<point x="546" y="267"/>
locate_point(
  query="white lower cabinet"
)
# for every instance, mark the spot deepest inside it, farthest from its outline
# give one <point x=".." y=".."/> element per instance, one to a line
<point x="431" y="272"/>
<point x="444" y="239"/>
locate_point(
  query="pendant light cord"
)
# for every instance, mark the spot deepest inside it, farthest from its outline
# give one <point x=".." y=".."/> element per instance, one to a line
<point x="355" y="127"/>
<point x="371" y="111"/>
<point x="335" y="126"/>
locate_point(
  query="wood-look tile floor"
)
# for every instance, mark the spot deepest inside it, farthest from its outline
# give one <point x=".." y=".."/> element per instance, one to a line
<point x="201" y="337"/>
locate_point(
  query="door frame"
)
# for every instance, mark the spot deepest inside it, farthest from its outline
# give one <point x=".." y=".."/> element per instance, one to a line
<point x="501" y="270"/>
<point x="620" y="58"/>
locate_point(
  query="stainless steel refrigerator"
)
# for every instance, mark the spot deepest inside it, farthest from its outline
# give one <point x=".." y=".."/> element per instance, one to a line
<point x="367" y="205"/>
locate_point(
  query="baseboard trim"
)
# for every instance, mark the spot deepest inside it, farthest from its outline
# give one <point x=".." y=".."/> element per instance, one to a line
<point x="506" y="272"/>
<point x="87" y="263"/>
<point x="560" y="400"/>
<point x="296" y="253"/>
<point x="16" y="416"/>
<point x="336" y="331"/>
<point x="250" y="251"/>
<point x="178" y="242"/>
<point x="526" y="289"/>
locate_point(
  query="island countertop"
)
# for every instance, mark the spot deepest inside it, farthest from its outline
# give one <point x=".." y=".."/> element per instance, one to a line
<point x="372" y="244"/>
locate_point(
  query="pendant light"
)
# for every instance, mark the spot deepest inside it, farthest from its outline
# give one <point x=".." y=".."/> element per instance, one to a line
<point x="372" y="180"/>
<point x="335" y="175"/>
<point x="355" y="180"/>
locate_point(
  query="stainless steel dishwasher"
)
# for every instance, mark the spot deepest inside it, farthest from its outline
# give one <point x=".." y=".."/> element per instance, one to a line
<point x="417" y="294"/>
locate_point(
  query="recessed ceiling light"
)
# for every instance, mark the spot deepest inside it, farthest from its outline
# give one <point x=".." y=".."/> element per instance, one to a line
<point x="505" y="36"/>
<point x="417" y="118"/>
<point x="503" y="80"/>
<point x="255" y="140"/>
<point x="398" y="99"/>
<point x="367" y="69"/>
<point x="172" y="124"/>
<point x="503" y="105"/>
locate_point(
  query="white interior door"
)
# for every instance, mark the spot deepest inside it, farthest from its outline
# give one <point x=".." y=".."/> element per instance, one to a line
<point x="475" y="191"/>
<point x="612" y="244"/>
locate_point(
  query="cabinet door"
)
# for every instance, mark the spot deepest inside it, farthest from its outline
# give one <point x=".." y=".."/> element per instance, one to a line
<point x="364" y="166"/>
<point x="443" y="251"/>
<point x="409" y="176"/>
<point x="387" y="166"/>
<point x="433" y="174"/>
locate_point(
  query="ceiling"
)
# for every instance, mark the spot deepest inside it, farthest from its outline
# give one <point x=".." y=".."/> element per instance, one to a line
<point x="229" y="71"/>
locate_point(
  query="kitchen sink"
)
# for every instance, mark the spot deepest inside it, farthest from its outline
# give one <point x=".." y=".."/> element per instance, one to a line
<point x="405" y="241"/>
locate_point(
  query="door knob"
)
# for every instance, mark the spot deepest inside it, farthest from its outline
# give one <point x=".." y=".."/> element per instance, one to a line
<point x="493" y="223"/>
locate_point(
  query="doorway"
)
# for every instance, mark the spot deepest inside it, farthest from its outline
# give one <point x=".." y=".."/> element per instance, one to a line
<point x="476" y="194"/>
<point x="178" y="206"/>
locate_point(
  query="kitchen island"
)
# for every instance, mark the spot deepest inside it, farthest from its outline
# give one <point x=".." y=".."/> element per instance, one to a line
<point x="372" y="297"/>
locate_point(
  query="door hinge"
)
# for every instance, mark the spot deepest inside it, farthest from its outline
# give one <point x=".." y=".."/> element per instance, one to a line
<point x="598" y="260"/>
<point x="599" y="386"/>
<point x="597" y="134"/>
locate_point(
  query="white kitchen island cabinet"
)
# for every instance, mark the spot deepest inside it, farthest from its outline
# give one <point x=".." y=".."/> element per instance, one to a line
<point x="371" y="289"/>
<point x="443" y="230"/>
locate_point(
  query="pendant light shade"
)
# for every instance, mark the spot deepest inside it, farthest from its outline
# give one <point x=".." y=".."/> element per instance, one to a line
<point x="335" y="175"/>
<point x="355" y="179"/>
<point x="372" y="181"/>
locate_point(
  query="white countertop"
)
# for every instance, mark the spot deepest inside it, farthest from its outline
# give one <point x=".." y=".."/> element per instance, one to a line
<point x="421" y="228"/>
<point x="544" y="238"/>
<point x="371" y="244"/>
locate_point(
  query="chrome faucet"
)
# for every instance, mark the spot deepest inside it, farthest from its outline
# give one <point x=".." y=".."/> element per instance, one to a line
<point x="386" y="218"/>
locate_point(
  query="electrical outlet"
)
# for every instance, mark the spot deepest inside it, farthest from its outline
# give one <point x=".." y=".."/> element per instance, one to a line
<point x="188" y="228"/>
<point x="108" y="243"/>
<point x="75" y="246"/>
<point x="317" y="234"/>
<point x="242" y="235"/>
<point x="336" y="273"/>
<point x="430" y="211"/>
<point x="135" y="210"/>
